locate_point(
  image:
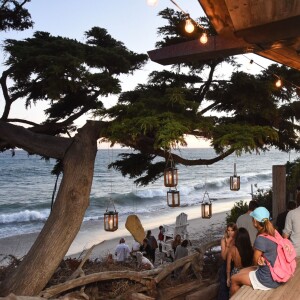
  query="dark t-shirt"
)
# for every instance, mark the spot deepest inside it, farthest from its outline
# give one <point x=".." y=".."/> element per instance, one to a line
<point x="280" y="222"/>
<point x="269" y="249"/>
<point x="152" y="242"/>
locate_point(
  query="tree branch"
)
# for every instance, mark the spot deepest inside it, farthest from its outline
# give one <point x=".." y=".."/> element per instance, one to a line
<point x="8" y="100"/>
<point x="17" y="136"/>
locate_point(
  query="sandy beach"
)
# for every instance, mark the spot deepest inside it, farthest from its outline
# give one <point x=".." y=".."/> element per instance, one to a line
<point x="106" y="242"/>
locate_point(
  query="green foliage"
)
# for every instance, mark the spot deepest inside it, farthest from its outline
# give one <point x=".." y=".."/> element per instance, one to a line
<point x="238" y="209"/>
<point x="13" y="15"/>
<point x="261" y="196"/>
<point x="264" y="198"/>
<point x="292" y="176"/>
<point x="71" y="75"/>
<point x="243" y="137"/>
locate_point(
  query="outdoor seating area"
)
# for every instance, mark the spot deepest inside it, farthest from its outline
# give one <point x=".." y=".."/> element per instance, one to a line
<point x="288" y="291"/>
<point x="180" y="228"/>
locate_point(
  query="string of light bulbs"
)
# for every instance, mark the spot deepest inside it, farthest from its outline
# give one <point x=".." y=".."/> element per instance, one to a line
<point x="279" y="80"/>
<point x="189" y="22"/>
<point x="190" y="27"/>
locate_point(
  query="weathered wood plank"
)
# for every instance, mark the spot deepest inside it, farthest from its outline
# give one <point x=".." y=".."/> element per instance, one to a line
<point x="287" y="291"/>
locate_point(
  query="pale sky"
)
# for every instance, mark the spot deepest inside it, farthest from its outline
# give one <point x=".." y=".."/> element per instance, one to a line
<point x="131" y="21"/>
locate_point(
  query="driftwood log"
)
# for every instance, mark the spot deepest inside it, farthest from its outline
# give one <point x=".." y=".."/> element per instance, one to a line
<point x="146" y="280"/>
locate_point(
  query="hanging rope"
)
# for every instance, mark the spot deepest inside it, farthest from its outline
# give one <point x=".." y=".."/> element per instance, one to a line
<point x="110" y="160"/>
<point x="170" y="160"/>
<point x="205" y="195"/>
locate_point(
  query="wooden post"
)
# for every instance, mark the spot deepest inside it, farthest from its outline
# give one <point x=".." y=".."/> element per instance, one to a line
<point x="279" y="190"/>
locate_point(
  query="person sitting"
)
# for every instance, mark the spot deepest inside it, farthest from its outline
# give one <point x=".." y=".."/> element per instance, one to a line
<point x="122" y="251"/>
<point x="259" y="276"/>
<point x="181" y="250"/>
<point x="227" y="242"/>
<point x="110" y="259"/>
<point x="240" y="254"/>
<point x="146" y="249"/>
<point x="143" y="262"/>
<point x="176" y="242"/>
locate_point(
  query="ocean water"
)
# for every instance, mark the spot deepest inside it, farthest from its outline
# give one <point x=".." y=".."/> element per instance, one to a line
<point x="26" y="187"/>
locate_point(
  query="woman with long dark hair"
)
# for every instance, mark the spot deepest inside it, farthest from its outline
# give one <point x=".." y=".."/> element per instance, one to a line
<point x="227" y="242"/>
<point x="240" y="254"/>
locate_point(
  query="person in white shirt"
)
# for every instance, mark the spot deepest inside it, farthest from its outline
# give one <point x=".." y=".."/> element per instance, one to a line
<point x="292" y="227"/>
<point x="122" y="251"/>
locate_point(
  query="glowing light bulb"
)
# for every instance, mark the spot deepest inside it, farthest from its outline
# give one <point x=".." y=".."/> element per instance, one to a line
<point x="278" y="83"/>
<point x="235" y="184"/>
<point x="152" y="2"/>
<point x="110" y="223"/>
<point x="203" y="38"/>
<point x="189" y="27"/>
<point x="249" y="65"/>
<point x="170" y="179"/>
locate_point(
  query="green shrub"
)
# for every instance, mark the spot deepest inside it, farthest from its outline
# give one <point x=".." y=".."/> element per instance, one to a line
<point x="264" y="198"/>
<point x="292" y="177"/>
<point x="238" y="209"/>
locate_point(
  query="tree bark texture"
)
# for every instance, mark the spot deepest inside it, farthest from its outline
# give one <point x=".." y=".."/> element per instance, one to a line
<point x="67" y="215"/>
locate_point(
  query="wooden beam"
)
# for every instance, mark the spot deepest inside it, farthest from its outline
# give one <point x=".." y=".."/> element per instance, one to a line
<point x="272" y="32"/>
<point x="216" y="47"/>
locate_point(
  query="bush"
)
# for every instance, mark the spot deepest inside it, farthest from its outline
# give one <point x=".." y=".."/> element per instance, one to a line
<point x="262" y="197"/>
<point x="238" y="209"/>
<point x="292" y="176"/>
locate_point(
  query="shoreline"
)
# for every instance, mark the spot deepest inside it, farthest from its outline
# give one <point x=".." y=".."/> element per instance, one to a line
<point x="106" y="242"/>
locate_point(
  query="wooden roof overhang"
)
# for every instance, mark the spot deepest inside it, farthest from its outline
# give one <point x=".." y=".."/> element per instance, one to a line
<point x="269" y="28"/>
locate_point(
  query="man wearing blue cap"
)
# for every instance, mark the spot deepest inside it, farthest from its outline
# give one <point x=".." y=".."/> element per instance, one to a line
<point x="259" y="276"/>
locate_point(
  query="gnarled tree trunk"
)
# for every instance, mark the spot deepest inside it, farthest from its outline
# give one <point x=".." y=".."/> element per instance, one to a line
<point x="67" y="215"/>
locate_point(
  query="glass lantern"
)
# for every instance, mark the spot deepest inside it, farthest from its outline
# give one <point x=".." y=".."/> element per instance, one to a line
<point x="235" y="181"/>
<point x="206" y="210"/>
<point x="173" y="198"/>
<point x="170" y="177"/>
<point x="111" y="220"/>
<point x="206" y="207"/>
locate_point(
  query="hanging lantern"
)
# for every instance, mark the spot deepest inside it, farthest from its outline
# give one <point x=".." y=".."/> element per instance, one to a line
<point x="173" y="198"/>
<point x="170" y="173"/>
<point x="170" y="177"/>
<point x="234" y="181"/>
<point x="206" y="207"/>
<point x="111" y="220"/>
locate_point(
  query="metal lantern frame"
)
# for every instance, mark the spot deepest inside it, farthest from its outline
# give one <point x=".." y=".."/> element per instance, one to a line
<point x="170" y="173"/>
<point x="111" y="220"/>
<point x="206" y="206"/>
<point x="173" y="198"/>
<point x="235" y="181"/>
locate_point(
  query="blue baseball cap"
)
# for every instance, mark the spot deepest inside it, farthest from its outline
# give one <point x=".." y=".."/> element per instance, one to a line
<point x="260" y="214"/>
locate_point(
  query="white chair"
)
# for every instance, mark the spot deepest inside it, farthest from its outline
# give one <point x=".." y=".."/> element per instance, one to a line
<point x="179" y="228"/>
